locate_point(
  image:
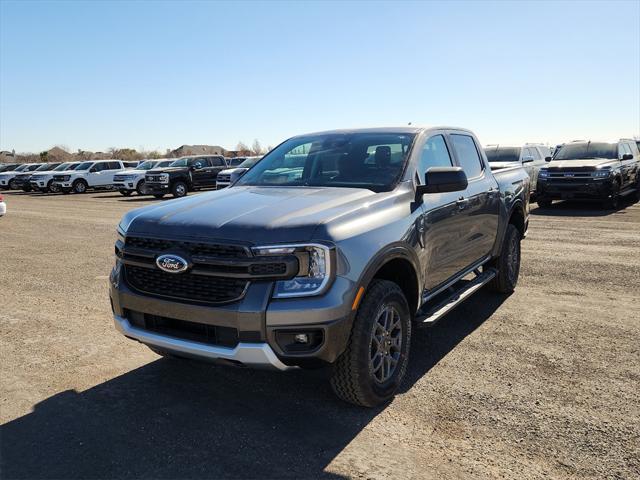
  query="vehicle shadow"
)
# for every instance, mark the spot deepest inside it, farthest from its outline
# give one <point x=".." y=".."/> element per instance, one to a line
<point x="569" y="208"/>
<point x="183" y="419"/>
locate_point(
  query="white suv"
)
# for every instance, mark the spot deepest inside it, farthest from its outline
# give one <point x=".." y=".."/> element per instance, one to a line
<point x="43" y="181"/>
<point x="132" y="180"/>
<point x="94" y="174"/>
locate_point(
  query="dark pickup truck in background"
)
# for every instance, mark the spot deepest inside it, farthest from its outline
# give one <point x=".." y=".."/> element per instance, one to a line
<point x="598" y="171"/>
<point x="184" y="175"/>
<point x="329" y="251"/>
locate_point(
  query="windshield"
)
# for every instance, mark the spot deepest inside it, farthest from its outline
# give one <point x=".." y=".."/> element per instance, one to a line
<point x="503" y="154"/>
<point x="31" y="168"/>
<point x="10" y="168"/>
<point x="164" y="163"/>
<point x="374" y="161"/>
<point x="84" y="166"/>
<point x="62" y="167"/>
<point x="73" y="166"/>
<point x="181" y="162"/>
<point x="587" y="150"/>
<point x="235" y="162"/>
<point x="249" y="162"/>
<point x="46" y="166"/>
<point x="148" y="165"/>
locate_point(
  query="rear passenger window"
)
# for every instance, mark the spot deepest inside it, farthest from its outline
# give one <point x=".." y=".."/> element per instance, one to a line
<point x="217" y="162"/>
<point x="434" y="154"/>
<point x="467" y="154"/>
<point x="114" y="166"/>
<point x="99" y="167"/>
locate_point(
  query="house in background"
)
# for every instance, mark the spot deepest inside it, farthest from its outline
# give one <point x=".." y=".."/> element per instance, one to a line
<point x="198" y="150"/>
<point x="7" y="156"/>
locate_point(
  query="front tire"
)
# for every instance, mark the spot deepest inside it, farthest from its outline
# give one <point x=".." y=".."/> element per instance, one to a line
<point x="614" y="202"/>
<point x="125" y="193"/>
<point x="51" y="187"/>
<point x="179" y="189"/>
<point x="141" y="188"/>
<point x="508" y="263"/>
<point x="544" y="202"/>
<point x="371" y="369"/>
<point x="13" y="185"/>
<point x="80" y="186"/>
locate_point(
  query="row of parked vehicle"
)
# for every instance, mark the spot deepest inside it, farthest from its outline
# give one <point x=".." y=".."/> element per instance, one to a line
<point x="576" y="170"/>
<point x="149" y="177"/>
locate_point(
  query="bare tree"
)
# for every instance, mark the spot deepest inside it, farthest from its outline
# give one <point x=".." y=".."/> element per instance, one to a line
<point x="256" y="148"/>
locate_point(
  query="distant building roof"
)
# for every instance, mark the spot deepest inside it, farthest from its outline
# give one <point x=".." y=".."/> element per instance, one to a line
<point x="198" y="150"/>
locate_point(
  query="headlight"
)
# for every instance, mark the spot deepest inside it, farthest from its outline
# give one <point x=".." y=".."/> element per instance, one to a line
<point x="120" y="234"/>
<point x="314" y="271"/>
<point x="66" y="178"/>
<point x="601" y="173"/>
<point x="164" y="178"/>
<point x="543" y="173"/>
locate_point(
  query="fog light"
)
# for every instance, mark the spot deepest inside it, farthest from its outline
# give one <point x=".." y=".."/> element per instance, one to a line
<point x="301" y="338"/>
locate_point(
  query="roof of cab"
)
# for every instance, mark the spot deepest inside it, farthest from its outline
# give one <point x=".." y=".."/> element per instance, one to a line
<point x="409" y="129"/>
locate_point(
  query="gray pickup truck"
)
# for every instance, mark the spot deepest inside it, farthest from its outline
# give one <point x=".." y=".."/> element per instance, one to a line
<point x="327" y="252"/>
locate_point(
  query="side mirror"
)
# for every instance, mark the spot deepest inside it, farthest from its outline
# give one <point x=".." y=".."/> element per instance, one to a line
<point x="443" y="179"/>
<point x="548" y="159"/>
<point x="527" y="159"/>
<point x="93" y="170"/>
<point x="627" y="156"/>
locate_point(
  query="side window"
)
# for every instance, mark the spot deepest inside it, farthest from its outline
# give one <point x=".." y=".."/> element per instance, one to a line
<point x="114" y="166"/>
<point x="434" y="154"/>
<point x="199" y="163"/>
<point x="99" y="166"/>
<point x="217" y="162"/>
<point x="467" y="154"/>
<point x="535" y="154"/>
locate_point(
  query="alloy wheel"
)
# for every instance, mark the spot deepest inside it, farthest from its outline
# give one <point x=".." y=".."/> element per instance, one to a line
<point x="386" y="344"/>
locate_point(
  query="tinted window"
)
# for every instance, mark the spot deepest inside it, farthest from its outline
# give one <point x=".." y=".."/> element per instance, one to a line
<point x="234" y="162"/>
<point x="114" y="166"/>
<point x="354" y="159"/>
<point x="586" y="150"/>
<point x="533" y="151"/>
<point x="434" y="154"/>
<point x="467" y="154"/>
<point x="218" y="162"/>
<point x="502" y="154"/>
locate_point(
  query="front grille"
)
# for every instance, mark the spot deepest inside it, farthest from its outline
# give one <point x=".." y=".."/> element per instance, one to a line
<point x="224" y="178"/>
<point x="193" y="248"/>
<point x="59" y="178"/>
<point x="186" y="286"/>
<point x="197" y="332"/>
<point x="120" y="178"/>
<point x="268" y="269"/>
<point x="570" y="175"/>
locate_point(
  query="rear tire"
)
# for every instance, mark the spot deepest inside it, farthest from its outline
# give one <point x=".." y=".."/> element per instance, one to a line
<point x="544" y="202"/>
<point x="80" y="186"/>
<point x="371" y="369"/>
<point x="508" y="263"/>
<point x="179" y="189"/>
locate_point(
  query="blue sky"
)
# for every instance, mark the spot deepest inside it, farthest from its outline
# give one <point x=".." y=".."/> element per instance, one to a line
<point x="153" y="75"/>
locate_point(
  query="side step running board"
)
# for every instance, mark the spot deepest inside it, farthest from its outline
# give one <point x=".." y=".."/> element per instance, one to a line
<point x="439" y="310"/>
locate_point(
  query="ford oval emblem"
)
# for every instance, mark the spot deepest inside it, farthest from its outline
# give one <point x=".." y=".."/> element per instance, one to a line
<point x="172" y="263"/>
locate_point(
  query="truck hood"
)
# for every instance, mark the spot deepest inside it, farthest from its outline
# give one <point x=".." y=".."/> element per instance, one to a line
<point x="156" y="171"/>
<point x="130" y="171"/>
<point x="247" y="214"/>
<point x="585" y="164"/>
<point x="229" y="171"/>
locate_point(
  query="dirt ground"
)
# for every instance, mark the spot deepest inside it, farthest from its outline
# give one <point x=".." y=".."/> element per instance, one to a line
<point x="541" y="384"/>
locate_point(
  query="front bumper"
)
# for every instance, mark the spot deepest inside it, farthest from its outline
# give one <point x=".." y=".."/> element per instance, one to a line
<point x="124" y="185"/>
<point x="261" y="324"/>
<point x="255" y="355"/>
<point x="63" y="184"/>
<point x="157" y="188"/>
<point x="575" y="190"/>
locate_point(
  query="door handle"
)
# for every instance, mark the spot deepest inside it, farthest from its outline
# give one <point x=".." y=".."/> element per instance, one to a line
<point x="462" y="203"/>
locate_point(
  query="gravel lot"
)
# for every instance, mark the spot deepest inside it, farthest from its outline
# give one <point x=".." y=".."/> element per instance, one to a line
<point x="543" y="383"/>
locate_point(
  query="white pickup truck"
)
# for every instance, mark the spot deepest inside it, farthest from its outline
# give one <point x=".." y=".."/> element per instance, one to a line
<point x="92" y="174"/>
